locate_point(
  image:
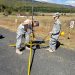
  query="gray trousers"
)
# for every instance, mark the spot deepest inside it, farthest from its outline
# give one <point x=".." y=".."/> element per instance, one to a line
<point x="53" y="41"/>
<point x="19" y="39"/>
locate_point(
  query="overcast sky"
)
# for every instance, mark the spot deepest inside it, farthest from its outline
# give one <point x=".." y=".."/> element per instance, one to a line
<point x="66" y="2"/>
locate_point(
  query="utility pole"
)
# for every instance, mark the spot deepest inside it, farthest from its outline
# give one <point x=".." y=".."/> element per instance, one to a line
<point x="32" y="19"/>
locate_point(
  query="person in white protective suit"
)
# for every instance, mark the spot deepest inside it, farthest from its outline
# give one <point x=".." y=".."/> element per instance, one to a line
<point x="25" y="29"/>
<point x="54" y="33"/>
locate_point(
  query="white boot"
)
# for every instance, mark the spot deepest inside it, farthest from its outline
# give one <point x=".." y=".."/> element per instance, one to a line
<point x="18" y="51"/>
<point x="50" y="50"/>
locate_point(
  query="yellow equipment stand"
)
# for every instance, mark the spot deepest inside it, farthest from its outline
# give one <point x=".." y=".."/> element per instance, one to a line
<point x="30" y="56"/>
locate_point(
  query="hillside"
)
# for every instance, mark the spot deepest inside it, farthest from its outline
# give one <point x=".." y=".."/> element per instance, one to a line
<point x="26" y="5"/>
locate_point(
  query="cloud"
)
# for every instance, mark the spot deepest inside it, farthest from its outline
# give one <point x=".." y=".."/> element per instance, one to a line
<point x="42" y="0"/>
<point x="70" y="2"/>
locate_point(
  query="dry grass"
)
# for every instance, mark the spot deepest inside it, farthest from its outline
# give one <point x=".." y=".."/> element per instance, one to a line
<point x="46" y="23"/>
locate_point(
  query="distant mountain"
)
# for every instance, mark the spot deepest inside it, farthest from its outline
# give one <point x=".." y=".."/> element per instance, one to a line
<point x="68" y="6"/>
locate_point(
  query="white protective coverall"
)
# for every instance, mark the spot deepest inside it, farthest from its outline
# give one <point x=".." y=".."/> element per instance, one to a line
<point x="55" y="34"/>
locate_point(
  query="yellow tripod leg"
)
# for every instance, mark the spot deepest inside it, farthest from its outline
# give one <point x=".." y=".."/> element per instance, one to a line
<point x="29" y="60"/>
<point x="12" y="45"/>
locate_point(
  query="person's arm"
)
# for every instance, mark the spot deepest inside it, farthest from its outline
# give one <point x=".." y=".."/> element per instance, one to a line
<point x="56" y="29"/>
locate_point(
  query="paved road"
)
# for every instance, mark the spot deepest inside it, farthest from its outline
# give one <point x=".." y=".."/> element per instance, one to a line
<point x="62" y="62"/>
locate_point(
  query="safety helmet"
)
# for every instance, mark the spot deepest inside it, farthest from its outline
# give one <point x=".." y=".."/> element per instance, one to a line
<point x="56" y="14"/>
<point x="62" y="33"/>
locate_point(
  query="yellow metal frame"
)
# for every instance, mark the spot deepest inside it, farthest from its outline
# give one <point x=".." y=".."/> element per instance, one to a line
<point x="14" y="45"/>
